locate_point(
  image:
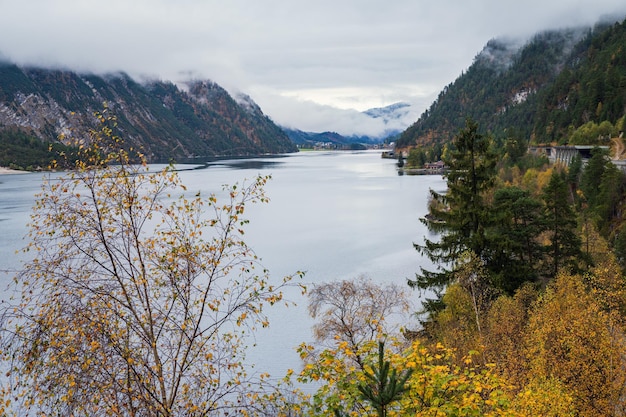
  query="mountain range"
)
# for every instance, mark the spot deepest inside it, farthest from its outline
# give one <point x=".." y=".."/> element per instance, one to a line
<point x="162" y="119"/>
<point x="544" y="90"/>
<point x="388" y="115"/>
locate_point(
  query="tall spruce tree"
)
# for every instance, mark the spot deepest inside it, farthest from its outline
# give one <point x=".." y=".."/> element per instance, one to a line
<point x="573" y="176"/>
<point x="460" y="216"/>
<point x="592" y="175"/>
<point x="514" y="250"/>
<point x="564" y="249"/>
<point x="609" y="198"/>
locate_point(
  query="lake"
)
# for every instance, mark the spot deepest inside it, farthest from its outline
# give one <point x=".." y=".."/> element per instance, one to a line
<point x="334" y="215"/>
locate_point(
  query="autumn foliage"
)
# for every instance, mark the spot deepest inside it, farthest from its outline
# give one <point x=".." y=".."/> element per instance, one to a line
<point x="137" y="297"/>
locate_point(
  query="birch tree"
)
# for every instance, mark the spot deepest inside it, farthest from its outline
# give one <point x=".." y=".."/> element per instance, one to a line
<point x="137" y="299"/>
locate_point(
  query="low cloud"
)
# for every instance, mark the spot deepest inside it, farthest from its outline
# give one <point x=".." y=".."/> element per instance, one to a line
<point x="310" y="116"/>
<point x="286" y="55"/>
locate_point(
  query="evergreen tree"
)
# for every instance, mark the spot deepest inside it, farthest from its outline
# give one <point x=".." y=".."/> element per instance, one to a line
<point x="560" y="222"/>
<point x="416" y="158"/>
<point x="592" y="175"/>
<point x="461" y="215"/>
<point x="609" y="196"/>
<point x="619" y="246"/>
<point x="573" y="175"/>
<point x="383" y="385"/>
<point x="514" y="249"/>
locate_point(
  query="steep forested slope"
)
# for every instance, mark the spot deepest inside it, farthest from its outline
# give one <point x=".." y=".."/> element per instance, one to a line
<point x="159" y="117"/>
<point x="540" y="91"/>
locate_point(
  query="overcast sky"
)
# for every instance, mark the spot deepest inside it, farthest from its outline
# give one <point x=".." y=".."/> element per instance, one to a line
<point x="301" y="61"/>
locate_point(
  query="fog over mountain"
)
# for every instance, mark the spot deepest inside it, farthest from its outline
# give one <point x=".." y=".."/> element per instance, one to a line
<point x="314" y="65"/>
<point x="377" y="122"/>
<point x="390" y="121"/>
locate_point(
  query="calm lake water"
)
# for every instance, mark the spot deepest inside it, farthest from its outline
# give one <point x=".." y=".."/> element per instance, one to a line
<point x="334" y="215"/>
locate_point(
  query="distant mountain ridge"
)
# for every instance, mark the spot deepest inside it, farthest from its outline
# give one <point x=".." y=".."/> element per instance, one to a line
<point x="158" y="117"/>
<point x="391" y="112"/>
<point x="538" y="91"/>
<point x="387" y="114"/>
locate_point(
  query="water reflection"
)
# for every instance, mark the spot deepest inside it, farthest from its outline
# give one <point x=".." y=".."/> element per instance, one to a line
<point x="250" y="164"/>
<point x="335" y="215"/>
<point x="243" y="163"/>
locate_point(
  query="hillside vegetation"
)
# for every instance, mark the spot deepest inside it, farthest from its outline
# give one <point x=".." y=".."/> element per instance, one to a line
<point x="541" y="92"/>
<point x="57" y="107"/>
<point x="525" y="291"/>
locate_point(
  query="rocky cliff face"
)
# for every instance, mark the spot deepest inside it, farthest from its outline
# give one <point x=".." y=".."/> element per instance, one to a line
<point x="162" y="119"/>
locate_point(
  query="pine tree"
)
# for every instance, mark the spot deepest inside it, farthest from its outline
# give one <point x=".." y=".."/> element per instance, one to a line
<point x="574" y="173"/>
<point x="592" y="175"/>
<point x="564" y="248"/>
<point x="609" y="196"/>
<point x="514" y="249"/>
<point x="461" y="215"/>
<point x="383" y="385"/>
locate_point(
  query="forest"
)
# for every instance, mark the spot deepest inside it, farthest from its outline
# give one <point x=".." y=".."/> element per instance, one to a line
<point x="138" y="302"/>
<point x="539" y="93"/>
<point x="527" y="309"/>
<point x="139" y="298"/>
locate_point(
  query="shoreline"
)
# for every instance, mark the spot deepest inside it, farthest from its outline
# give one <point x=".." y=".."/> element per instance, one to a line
<point x="422" y="171"/>
<point x="6" y="171"/>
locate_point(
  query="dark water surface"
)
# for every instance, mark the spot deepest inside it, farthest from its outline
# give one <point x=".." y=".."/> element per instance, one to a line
<point x="335" y="215"/>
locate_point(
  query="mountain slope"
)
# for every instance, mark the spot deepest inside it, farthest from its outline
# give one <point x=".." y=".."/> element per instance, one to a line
<point x="311" y="139"/>
<point x="392" y="118"/>
<point x="162" y="119"/>
<point x="536" y="91"/>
